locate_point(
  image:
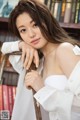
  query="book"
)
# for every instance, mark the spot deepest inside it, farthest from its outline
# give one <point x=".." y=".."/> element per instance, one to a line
<point x="52" y="6"/>
<point x="10" y="78"/>
<point x="14" y="79"/>
<point x="10" y="99"/>
<point x="1" y="98"/>
<point x="59" y="11"/>
<point x="5" y="78"/>
<point x="68" y="10"/>
<point x="49" y="4"/>
<point x="77" y="10"/>
<point x="62" y="11"/>
<point x="55" y="9"/>
<point x="14" y="93"/>
<point x="73" y="12"/>
<point x="5" y="97"/>
<point x="79" y="13"/>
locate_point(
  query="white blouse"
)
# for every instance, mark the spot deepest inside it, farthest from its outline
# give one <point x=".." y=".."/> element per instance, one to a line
<point x="60" y="97"/>
<point x="24" y="106"/>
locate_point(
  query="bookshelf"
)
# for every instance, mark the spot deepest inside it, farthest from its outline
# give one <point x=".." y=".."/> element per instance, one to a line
<point x="67" y="13"/>
<point x="70" y="25"/>
<point x="72" y="28"/>
<point x="9" y="76"/>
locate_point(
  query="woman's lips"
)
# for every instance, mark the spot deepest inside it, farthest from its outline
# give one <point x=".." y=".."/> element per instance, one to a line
<point x="36" y="41"/>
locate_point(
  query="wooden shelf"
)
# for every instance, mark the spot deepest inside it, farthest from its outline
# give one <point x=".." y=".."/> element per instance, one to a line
<point x="70" y="25"/>
<point x="2" y="19"/>
<point x="9" y="69"/>
<point x="3" y="24"/>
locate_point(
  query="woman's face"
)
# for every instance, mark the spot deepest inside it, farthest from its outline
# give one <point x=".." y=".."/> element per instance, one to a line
<point x="30" y="31"/>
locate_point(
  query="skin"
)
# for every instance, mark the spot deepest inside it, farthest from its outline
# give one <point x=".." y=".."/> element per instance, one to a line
<point x="56" y="55"/>
<point x="29" y="54"/>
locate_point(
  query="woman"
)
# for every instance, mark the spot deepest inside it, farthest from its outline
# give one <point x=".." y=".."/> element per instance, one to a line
<point x="32" y="22"/>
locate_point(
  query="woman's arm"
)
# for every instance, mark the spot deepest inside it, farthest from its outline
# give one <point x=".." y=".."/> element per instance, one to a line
<point x="9" y="47"/>
<point x="29" y="54"/>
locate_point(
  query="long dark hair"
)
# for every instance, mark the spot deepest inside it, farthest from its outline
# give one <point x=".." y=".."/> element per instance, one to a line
<point x="48" y="25"/>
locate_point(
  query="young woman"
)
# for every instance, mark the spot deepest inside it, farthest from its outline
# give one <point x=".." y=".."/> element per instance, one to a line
<point x="56" y="80"/>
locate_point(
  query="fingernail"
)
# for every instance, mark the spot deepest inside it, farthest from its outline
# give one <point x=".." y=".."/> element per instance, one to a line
<point x="27" y="68"/>
<point x="36" y="66"/>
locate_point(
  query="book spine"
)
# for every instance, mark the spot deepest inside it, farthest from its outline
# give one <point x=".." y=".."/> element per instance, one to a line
<point x="14" y="93"/>
<point x="48" y="4"/>
<point x="10" y="99"/>
<point x="59" y="11"/>
<point x="73" y="11"/>
<point x="52" y="7"/>
<point x="76" y="15"/>
<point x="68" y="10"/>
<point x="5" y="97"/>
<point x="55" y="9"/>
<point x="63" y="11"/>
<point x="14" y="79"/>
<point x="79" y="13"/>
<point x="1" y="98"/>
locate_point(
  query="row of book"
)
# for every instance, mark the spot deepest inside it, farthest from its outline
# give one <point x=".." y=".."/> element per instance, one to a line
<point x="8" y="82"/>
<point x="7" y="98"/>
<point x="66" y="11"/>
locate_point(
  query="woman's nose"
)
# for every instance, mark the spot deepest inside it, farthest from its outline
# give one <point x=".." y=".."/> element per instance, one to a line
<point x="31" y="33"/>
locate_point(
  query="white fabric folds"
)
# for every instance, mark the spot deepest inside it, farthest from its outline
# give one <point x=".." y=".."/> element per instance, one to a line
<point x="23" y="107"/>
<point x="58" y="101"/>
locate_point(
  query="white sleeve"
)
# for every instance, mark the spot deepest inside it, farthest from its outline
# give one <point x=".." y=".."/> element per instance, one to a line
<point x="9" y="47"/>
<point x="16" y="62"/>
<point x="53" y="100"/>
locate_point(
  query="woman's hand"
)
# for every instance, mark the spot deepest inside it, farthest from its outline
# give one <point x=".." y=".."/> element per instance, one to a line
<point x="34" y="80"/>
<point x="29" y="54"/>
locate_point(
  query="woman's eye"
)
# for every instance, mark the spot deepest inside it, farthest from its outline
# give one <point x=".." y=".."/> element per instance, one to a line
<point x="35" y="25"/>
<point x="23" y="30"/>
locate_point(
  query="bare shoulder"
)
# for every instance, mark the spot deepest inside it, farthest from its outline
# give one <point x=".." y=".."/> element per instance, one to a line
<point x="64" y="48"/>
<point x="66" y="57"/>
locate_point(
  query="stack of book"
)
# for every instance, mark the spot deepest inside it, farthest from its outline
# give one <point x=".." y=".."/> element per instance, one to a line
<point x="8" y="83"/>
<point x="66" y="11"/>
<point x="7" y="98"/>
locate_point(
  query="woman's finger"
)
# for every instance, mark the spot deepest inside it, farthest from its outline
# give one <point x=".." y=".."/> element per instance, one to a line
<point x="26" y="58"/>
<point x="23" y="55"/>
<point x="36" y="58"/>
<point x="30" y="59"/>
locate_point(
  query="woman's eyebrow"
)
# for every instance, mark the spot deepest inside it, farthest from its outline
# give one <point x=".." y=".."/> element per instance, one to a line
<point x="21" y="26"/>
<point x="31" y="21"/>
<point x="24" y="26"/>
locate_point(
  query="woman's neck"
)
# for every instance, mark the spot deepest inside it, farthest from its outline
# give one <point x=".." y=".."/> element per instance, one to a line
<point x="49" y="48"/>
